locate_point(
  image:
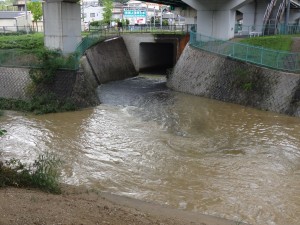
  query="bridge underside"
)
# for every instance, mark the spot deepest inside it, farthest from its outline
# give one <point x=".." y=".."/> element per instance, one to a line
<point x="176" y="3"/>
<point x="216" y="18"/>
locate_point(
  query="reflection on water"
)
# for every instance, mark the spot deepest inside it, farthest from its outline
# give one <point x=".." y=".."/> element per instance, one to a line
<point x="197" y="154"/>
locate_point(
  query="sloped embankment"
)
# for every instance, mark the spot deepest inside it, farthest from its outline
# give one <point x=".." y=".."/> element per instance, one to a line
<point x="209" y="75"/>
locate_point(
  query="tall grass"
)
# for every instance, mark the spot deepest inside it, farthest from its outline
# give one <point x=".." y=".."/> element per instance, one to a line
<point x="30" y="42"/>
<point x="42" y="104"/>
<point x="43" y="173"/>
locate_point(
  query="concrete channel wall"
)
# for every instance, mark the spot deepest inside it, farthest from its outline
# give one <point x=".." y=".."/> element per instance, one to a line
<point x="206" y="74"/>
<point x="148" y="50"/>
<point x="104" y="62"/>
<point x="15" y="83"/>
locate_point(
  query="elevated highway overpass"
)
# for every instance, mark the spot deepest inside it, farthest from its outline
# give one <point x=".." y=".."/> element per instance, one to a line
<point x="215" y="18"/>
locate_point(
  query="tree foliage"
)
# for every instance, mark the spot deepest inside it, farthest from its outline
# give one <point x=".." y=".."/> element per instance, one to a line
<point x="107" y="11"/>
<point x="36" y="10"/>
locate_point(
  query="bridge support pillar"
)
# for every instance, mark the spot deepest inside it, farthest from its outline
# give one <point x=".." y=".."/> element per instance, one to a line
<point x="216" y="23"/>
<point x="62" y="28"/>
<point x="216" y="18"/>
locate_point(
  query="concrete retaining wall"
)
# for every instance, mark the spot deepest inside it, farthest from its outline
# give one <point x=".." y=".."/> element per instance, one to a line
<point x="80" y="87"/>
<point x="205" y="74"/>
<point x="13" y="82"/>
<point x="109" y="61"/>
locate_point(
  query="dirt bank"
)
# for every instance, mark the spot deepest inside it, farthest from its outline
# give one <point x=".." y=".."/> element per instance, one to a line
<point x="77" y="206"/>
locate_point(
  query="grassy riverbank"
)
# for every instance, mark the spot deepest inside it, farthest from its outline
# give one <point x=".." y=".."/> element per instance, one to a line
<point x="278" y="42"/>
<point x="46" y="103"/>
<point x="43" y="173"/>
<point x="29" y="42"/>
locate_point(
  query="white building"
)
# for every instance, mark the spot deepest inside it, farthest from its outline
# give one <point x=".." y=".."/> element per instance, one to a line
<point x="92" y="13"/>
<point x="14" y="20"/>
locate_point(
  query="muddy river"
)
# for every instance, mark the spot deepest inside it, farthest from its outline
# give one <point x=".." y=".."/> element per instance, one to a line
<point x="157" y="145"/>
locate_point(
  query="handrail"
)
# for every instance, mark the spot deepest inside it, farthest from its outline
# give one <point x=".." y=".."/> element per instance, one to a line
<point x="269" y="11"/>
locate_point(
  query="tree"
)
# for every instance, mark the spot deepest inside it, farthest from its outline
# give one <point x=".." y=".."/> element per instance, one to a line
<point x="36" y="10"/>
<point x="107" y="11"/>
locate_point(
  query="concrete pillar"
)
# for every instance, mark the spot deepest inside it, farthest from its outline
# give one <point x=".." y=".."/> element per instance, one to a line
<point x="62" y="25"/>
<point x="215" y="23"/>
<point x="216" y="18"/>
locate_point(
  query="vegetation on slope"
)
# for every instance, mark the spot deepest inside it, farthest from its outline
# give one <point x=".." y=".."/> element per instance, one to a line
<point x="43" y="173"/>
<point x="278" y="42"/>
<point x="29" y="42"/>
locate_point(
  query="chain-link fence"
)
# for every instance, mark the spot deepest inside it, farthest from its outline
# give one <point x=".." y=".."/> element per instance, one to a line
<point x="268" y="29"/>
<point x="279" y="60"/>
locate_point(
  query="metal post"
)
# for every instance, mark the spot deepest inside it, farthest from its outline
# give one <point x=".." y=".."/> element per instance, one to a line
<point x="26" y="16"/>
<point x="161" y="9"/>
<point x="287" y="16"/>
<point x="154" y="18"/>
<point x="261" y="56"/>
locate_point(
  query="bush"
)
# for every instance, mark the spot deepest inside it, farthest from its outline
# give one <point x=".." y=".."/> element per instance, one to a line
<point x="31" y="41"/>
<point x="51" y="61"/>
<point x="42" y="174"/>
<point x="95" y="23"/>
<point x="39" y="104"/>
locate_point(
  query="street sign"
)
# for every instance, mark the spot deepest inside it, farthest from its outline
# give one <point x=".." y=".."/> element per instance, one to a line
<point x="135" y="13"/>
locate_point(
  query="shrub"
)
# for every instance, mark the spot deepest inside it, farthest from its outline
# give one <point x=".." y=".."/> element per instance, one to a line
<point x="51" y="61"/>
<point x="39" y="104"/>
<point x="31" y="41"/>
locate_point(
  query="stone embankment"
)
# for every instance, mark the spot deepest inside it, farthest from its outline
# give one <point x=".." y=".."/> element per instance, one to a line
<point x="209" y="75"/>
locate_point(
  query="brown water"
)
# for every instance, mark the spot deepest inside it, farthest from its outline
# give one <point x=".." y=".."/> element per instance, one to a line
<point x="189" y="152"/>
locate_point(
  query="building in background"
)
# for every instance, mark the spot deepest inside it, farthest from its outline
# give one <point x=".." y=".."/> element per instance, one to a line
<point x="136" y="12"/>
<point x="117" y="13"/>
<point x="91" y="13"/>
<point x="14" y="21"/>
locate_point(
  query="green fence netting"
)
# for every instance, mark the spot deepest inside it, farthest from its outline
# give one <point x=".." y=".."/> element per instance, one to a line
<point x="29" y="58"/>
<point x="279" y="60"/>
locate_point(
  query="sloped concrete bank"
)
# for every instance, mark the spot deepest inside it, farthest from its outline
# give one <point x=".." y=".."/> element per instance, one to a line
<point x="15" y="83"/>
<point x="205" y="74"/>
<point x="109" y="61"/>
<point x="104" y="62"/>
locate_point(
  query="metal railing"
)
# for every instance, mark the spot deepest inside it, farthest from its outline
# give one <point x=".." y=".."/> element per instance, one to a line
<point x="28" y="58"/>
<point x="146" y="28"/>
<point x="279" y="60"/>
<point x="20" y="29"/>
<point x="263" y="30"/>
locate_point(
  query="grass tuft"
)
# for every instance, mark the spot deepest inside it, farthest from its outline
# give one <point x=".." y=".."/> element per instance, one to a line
<point x="42" y="104"/>
<point x="42" y="174"/>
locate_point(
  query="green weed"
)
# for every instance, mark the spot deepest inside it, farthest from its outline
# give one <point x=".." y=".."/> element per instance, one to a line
<point x="31" y="41"/>
<point x="43" y="173"/>
<point x="278" y="42"/>
<point x="39" y="104"/>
